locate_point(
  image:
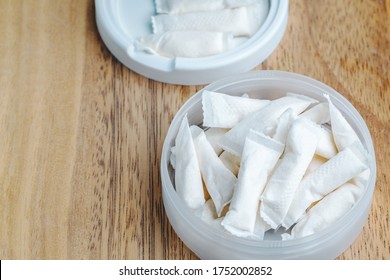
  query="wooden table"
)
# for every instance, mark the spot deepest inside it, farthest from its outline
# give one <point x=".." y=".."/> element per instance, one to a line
<point x="81" y="135"/>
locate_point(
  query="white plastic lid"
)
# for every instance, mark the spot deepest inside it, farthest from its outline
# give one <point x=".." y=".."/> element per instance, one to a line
<point x="121" y="22"/>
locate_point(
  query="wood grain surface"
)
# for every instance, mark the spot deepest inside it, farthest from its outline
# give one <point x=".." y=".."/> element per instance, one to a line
<point x="81" y="135"/>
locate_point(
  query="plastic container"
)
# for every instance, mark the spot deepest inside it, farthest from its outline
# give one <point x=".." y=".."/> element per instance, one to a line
<point x="211" y="244"/>
<point x="120" y="22"/>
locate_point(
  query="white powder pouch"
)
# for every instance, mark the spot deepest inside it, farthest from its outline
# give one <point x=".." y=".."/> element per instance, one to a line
<point x="213" y="135"/>
<point x="220" y="182"/>
<point x="186" y="6"/>
<point x="260" y="228"/>
<point x="327" y="211"/>
<point x="301" y="143"/>
<point x="318" y="114"/>
<point x="185" y="43"/>
<point x="188" y="180"/>
<point x="336" y="171"/>
<point x="243" y="21"/>
<point x="266" y="117"/>
<point x="326" y="147"/>
<point x="283" y="126"/>
<point x="222" y="110"/>
<point x="231" y="162"/>
<point x="172" y="157"/>
<point x="343" y="134"/>
<point x="363" y="178"/>
<point x="258" y="159"/>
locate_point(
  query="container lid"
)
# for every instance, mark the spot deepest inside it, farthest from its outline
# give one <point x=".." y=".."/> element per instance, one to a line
<point x="121" y="22"/>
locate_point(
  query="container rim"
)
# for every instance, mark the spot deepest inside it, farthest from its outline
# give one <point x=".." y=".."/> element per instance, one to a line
<point x="189" y="71"/>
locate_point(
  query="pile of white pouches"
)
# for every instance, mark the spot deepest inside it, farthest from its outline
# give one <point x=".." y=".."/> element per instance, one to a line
<point x="198" y="28"/>
<point x="290" y="163"/>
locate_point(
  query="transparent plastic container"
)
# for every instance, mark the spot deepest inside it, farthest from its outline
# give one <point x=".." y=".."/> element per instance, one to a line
<point x="208" y="243"/>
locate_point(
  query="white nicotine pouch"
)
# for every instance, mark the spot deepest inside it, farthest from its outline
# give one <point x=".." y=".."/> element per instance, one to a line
<point x="336" y="171"/>
<point x="326" y="147"/>
<point x="188" y="180"/>
<point x="213" y="135"/>
<point x="172" y="157"/>
<point x="260" y="228"/>
<point x="318" y="114"/>
<point x="219" y="180"/>
<point x="284" y="125"/>
<point x="185" y="43"/>
<point x="343" y="134"/>
<point x="266" y="117"/>
<point x="259" y="158"/>
<point x="301" y="143"/>
<point x="186" y="6"/>
<point x="243" y="21"/>
<point x="223" y="110"/>
<point x="327" y="211"/>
